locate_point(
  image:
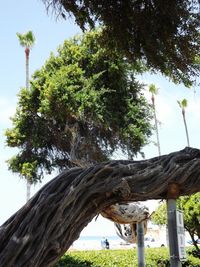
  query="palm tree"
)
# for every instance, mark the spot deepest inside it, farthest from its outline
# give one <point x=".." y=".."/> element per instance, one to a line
<point x="27" y="40"/>
<point x="183" y="105"/>
<point x="154" y="91"/>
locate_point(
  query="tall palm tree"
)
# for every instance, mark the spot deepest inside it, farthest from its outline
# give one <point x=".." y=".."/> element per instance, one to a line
<point x="27" y="40"/>
<point x="183" y="105"/>
<point x="154" y="91"/>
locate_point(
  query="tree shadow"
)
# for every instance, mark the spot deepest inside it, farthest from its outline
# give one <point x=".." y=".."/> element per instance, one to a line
<point x="68" y="261"/>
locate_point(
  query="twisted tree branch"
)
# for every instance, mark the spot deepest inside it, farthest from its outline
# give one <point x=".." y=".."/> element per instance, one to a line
<point x="43" y="229"/>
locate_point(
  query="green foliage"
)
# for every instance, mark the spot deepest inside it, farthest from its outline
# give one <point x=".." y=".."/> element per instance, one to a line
<point x="153" y="89"/>
<point x="191" y="208"/>
<point x="160" y="215"/>
<point x="182" y="104"/>
<point x="82" y="106"/>
<point x="26" y="169"/>
<point x="120" y="258"/>
<point x="190" y="205"/>
<point x="27" y="39"/>
<point x="164" y="34"/>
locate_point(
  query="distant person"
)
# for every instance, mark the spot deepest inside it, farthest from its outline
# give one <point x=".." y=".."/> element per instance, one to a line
<point x="107" y="245"/>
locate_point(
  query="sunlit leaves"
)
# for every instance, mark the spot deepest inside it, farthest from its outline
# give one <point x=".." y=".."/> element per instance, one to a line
<point x="190" y="205"/>
<point x="82" y="105"/>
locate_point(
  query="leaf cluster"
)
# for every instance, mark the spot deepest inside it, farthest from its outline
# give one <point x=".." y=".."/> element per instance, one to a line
<point x="190" y="205"/>
<point x="165" y="34"/>
<point x="82" y="106"/>
<point x="27" y="39"/>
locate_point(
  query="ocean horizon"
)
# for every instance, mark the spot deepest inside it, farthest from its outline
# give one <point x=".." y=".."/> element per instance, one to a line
<point x="94" y="242"/>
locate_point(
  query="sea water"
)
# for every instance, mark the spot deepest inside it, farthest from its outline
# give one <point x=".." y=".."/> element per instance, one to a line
<point x="94" y="242"/>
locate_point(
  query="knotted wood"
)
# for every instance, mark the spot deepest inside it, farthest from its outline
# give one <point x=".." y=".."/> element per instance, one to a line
<point x="125" y="217"/>
<point x="43" y="229"/>
<point x="126" y="213"/>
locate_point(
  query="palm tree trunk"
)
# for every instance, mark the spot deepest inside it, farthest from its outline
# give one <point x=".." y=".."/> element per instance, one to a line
<point x="27" y="52"/>
<point x="186" y="129"/>
<point x="156" y="127"/>
<point x="28" y="190"/>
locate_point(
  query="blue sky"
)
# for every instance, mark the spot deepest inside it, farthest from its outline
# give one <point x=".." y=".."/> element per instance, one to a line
<point x="21" y="16"/>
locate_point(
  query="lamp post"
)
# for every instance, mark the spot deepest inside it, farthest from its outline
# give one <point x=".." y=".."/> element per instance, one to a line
<point x="140" y="243"/>
<point x="135" y="215"/>
<point x="173" y="192"/>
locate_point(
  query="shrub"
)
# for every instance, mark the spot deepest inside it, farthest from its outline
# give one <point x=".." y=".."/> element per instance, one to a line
<point x="120" y="258"/>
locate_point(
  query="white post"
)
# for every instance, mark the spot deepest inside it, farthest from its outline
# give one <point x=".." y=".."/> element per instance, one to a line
<point x="172" y="228"/>
<point x="140" y="244"/>
<point x="140" y="234"/>
<point x="28" y="190"/>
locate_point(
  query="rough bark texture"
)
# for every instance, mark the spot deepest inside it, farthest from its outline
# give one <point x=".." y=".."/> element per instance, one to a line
<point x="42" y="230"/>
<point x="126" y="216"/>
<point x="126" y="213"/>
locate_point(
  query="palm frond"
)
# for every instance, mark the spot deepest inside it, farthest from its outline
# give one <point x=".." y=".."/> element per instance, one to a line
<point x="27" y="39"/>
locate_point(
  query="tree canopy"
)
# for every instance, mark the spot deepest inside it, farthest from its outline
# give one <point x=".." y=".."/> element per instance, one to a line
<point x="82" y="106"/>
<point x="164" y="34"/>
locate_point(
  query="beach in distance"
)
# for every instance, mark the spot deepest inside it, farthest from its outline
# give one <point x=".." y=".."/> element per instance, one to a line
<point x="94" y="243"/>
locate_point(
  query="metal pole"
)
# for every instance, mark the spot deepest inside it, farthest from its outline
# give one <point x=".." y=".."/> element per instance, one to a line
<point x="140" y="231"/>
<point x="172" y="228"/>
<point x="140" y="241"/>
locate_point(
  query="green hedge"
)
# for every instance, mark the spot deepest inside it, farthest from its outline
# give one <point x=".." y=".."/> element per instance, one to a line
<point x="155" y="257"/>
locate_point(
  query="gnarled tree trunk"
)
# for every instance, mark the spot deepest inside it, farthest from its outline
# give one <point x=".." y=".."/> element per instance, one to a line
<point x="43" y="229"/>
